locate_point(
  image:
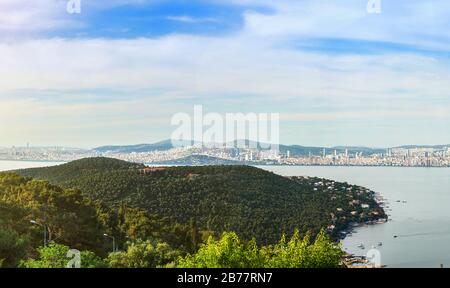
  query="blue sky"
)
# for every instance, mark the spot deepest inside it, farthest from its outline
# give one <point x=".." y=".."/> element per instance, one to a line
<point x="150" y="19"/>
<point x="119" y="70"/>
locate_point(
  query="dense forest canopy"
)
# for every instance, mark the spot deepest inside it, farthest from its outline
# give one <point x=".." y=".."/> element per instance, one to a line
<point x="249" y="201"/>
<point x="209" y="216"/>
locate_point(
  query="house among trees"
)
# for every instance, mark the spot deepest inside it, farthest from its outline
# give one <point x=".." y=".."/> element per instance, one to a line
<point x="150" y="170"/>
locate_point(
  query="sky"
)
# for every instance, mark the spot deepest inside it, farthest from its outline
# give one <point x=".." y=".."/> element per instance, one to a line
<point x="118" y="71"/>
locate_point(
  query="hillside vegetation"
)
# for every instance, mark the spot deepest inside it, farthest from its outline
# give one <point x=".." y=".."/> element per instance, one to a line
<point x="210" y="216"/>
<point x="249" y="201"/>
<point x="71" y="221"/>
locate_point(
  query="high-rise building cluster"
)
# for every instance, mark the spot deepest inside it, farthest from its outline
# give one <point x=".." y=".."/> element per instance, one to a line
<point x="402" y="157"/>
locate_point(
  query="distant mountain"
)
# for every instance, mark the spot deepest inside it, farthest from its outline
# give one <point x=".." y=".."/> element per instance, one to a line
<point x="297" y="150"/>
<point x="198" y="160"/>
<point x="294" y="150"/>
<point x="159" y="146"/>
<point x="424" y="146"/>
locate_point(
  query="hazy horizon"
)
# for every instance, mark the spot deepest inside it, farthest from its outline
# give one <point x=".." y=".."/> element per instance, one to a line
<point x="163" y="140"/>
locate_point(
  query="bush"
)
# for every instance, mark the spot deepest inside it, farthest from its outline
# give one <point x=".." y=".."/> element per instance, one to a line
<point x="143" y="254"/>
<point x="12" y="247"/>
<point x="230" y="252"/>
<point x="55" y="256"/>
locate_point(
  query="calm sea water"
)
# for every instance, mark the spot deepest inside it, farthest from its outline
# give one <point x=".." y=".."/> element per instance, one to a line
<point x="13" y="165"/>
<point x="422" y="224"/>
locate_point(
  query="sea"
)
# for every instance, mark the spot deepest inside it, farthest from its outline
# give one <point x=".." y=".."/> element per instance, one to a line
<point x="418" y="200"/>
<point x="14" y="165"/>
<point x="419" y="209"/>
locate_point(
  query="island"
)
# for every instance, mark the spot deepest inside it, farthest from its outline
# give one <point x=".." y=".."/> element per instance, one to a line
<point x="183" y="207"/>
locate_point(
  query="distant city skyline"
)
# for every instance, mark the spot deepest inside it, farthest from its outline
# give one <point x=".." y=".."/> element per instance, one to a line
<point x="166" y="153"/>
<point x="117" y="72"/>
<point x="29" y="145"/>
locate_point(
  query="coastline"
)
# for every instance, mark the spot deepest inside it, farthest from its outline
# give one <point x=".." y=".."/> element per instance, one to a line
<point x="174" y="163"/>
<point x="359" y="261"/>
<point x="350" y="206"/>
<point x="34" y="160"/>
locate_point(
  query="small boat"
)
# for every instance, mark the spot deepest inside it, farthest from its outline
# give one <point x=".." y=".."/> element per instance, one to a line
<point x="361" y="245"/>
<point x="395" y="236"/>
<point x="380" y="244"/>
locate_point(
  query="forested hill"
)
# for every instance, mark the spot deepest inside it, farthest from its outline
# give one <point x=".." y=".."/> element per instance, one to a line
<point x="247" y="200"/>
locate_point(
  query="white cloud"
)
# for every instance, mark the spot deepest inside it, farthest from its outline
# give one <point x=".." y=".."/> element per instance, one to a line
<point x="197" y="66"/>
<point x="415" y="22"/>
<point x="189" y="19"/>
<point x="19" y="17"/>
<point x="49" y="123"/>
<point x="398" y="113"/>
<point x="251" y="69"/>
